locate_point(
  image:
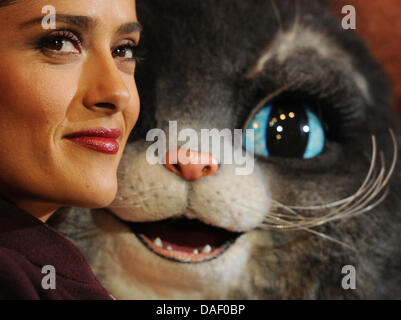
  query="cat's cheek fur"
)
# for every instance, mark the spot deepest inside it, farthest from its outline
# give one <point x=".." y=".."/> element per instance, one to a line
<point x="219" y="200"/>
<point x="147" y="193"/>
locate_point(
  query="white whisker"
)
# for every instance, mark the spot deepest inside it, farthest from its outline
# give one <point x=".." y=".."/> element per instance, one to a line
<point x="369" y="195"/>
<point x="350" y="198"/>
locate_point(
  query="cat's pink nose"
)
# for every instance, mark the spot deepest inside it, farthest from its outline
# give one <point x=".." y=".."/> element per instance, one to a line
<point x="191" y="165"/>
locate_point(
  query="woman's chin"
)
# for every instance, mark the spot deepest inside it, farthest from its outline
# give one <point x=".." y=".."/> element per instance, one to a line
<point x="97" y="196"/>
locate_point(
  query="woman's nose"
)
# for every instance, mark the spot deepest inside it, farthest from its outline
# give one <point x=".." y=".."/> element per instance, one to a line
<point x="105" y="86"/>
<point x="191" y="165"/>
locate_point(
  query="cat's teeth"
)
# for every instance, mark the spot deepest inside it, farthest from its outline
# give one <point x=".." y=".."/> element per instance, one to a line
<point x="169" y="248"/>
<point x="158" y="242"/>
<point x="207" y="249"/>
<point x="196" y="251"/>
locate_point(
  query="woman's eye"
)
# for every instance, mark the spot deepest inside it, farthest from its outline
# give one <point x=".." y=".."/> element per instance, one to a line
<point x="285" y="130"/>
<point x="65" y="43"/>
<point x="125" y="52"/>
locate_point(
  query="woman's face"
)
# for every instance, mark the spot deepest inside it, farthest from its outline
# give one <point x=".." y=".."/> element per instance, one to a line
<point x="57" y="88"/>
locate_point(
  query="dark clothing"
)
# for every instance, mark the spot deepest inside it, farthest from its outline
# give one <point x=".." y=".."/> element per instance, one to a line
<point x="26" y="246"/>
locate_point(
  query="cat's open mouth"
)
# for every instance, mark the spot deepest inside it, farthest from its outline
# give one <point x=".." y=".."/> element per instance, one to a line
<point x="184" y="240"/>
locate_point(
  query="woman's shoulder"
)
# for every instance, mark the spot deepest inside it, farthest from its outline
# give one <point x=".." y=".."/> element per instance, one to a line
<point x="15" y="276"/>
<point x="21" y="279"/>
<point x="11" y="262"/>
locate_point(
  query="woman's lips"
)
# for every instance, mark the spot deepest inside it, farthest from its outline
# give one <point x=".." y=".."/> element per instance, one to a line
<point x="97" y="139"/>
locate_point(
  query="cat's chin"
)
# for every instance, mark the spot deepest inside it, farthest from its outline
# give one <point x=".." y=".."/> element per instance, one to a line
<point x="184" y="240"/>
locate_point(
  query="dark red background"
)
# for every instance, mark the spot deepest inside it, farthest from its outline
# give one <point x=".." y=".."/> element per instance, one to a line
<point x="379" y="23"/>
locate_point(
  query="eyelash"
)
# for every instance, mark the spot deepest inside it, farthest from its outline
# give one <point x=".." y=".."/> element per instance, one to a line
<point x="60" y="35"/>
<point x="338" y="120"/>
<point x="76" y="40"/>
<point x="131" y="46"/>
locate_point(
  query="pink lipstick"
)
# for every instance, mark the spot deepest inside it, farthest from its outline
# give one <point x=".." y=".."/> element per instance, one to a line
<point x="98" y="139"/>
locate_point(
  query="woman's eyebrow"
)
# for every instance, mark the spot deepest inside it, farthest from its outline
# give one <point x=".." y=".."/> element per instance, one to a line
<point x="129" y="28"/>
<point x="78" y="21"/>
<point x="85" y="22"/>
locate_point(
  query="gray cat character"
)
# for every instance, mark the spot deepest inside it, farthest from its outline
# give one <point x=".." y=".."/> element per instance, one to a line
<point x="319" y="215"/>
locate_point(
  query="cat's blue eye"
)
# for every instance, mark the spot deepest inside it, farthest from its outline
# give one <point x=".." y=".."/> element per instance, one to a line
<point x="285" y="131"/>
<point x="256" y="143"/>
<point x="316" y="139"/>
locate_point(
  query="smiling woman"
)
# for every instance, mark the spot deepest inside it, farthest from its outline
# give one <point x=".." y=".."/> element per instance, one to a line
<point x="68" y="104"/>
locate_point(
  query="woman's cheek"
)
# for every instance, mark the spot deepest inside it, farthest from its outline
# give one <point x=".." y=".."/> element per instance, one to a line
<point x="54" y="94"/>
<point x="40" y="94"/>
